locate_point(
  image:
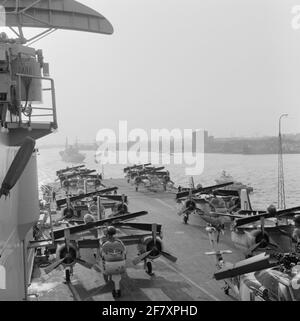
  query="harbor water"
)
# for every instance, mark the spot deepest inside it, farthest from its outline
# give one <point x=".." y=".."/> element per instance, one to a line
<point x="258" y="171"/>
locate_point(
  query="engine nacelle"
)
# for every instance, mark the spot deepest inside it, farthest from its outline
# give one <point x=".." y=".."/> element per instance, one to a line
<point x="137" y="180"/>
<point x="190" y="205"/>
<point x="97" y="182"/>
<point x="133" y="175"/>
<point x="166" y="178"/>
<point x="260" y="237"/>
<point x="93" y="208"/>
<point x="69" y="256"/>
<point x="147" y="245"/>
<point x="122" y="208"/>
<point x="68" y="212"/>
<point x="66" y="183"/>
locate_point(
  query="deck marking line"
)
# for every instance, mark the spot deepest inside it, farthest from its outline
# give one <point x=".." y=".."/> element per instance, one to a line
<point x="155" y="294"/>
<point x="191" y="281"/>
<point x="74" y="292"/>
<point x="166" y="204"/>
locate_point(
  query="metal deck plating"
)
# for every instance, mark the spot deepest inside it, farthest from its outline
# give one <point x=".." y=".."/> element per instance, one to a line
<point x="189" y="279"/>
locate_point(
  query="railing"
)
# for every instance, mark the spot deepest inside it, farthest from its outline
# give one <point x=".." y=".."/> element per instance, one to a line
<point x="31" y="109"/>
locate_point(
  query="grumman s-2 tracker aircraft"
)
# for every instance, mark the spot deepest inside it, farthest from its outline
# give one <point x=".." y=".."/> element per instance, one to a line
<point x="150" y="177"/>
<point x="268" y="276"/>
<point x="94" y="230"/>
<point x="24" y="77"/>
<point x="111" y="250"/>
<point x="208" y="202"/>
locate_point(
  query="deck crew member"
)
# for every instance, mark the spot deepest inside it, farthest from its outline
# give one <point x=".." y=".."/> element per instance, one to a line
<point x="113" y="254"/>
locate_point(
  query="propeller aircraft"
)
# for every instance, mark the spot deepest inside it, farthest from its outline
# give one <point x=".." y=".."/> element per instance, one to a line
<point x="90" y="202"/>
<point x="276" y="234"/>
<point x="272" y="276"/>
<point x="248" y="238"/>
<point x="149" y="177"/>
<point x="79" y="177"/>
<point x="68" y="169"/>
<point x="131" y="172"/>
<point x="111" y="251"/>
<point x="269" y="276"/>
<point x="208" y="202"/>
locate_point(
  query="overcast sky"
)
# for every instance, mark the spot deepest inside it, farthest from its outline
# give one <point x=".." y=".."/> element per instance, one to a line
<point x="228" y="66"/>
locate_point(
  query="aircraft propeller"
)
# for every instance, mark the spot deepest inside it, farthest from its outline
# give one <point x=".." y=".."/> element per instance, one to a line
<point x="201" y="190"/>
<point x="102" y="192"/>
<point x="59" y="233"/>
<point x="53" y="266"/>
<point x="289" y="212"/>
<point x="253" y="264"/>
<point x="126" y="169"/>
<point x="66" y="254"/>
<point x="155" y="249"/>
<point x="261" y="239"/>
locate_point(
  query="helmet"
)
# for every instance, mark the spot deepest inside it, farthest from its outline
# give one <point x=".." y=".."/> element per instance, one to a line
<point x="88" y="218"/>
<point x="80" y="192"/>
<point x="3" y="35"/>
<point x="297" y="220"/>
<point x="271" y="209"/>
<point x="111" y="230"/>
<point x="296" y="234"/>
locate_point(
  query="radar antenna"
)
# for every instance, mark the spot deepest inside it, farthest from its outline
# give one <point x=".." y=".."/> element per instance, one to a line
<point x="52" y="15"/>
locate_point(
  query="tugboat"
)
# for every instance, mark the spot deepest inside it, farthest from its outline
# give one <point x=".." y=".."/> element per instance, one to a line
<point x="71" y="154"/>
<point x="225" y="178"/>
<point x="23" y="74"/>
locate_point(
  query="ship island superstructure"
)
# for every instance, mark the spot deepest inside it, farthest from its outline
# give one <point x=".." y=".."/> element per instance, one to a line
<point x="24" y="77"/>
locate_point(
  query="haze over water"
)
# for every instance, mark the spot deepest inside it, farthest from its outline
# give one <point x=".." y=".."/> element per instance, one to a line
<point x="258" y="171"/>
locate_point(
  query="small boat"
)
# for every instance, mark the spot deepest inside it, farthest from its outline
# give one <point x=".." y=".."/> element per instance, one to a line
<point x="237" y="186"/>
<point x="71" y="154"/>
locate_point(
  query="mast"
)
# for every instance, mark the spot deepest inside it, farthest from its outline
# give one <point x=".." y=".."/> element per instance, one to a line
<point x="281" y="191"/>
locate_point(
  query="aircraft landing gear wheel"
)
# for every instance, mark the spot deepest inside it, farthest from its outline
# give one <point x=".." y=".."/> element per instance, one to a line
<point x="116" y="293"/>
<point x="68" y="279"/>
<point x="106" y="278"/>
<point x="185" y="219"/>
<point x="226" y="289"/>
<point x="149" y="268"/>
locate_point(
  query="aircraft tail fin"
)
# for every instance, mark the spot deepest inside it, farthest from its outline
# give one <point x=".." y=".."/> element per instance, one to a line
<point x="192" y="184"/>
<point x="213" y="239"/>
<point x="245" y="200"/>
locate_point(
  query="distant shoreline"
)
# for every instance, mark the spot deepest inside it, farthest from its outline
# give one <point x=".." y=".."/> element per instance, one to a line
<point x="208" y="152"/>
<point x="262" y="153"/>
